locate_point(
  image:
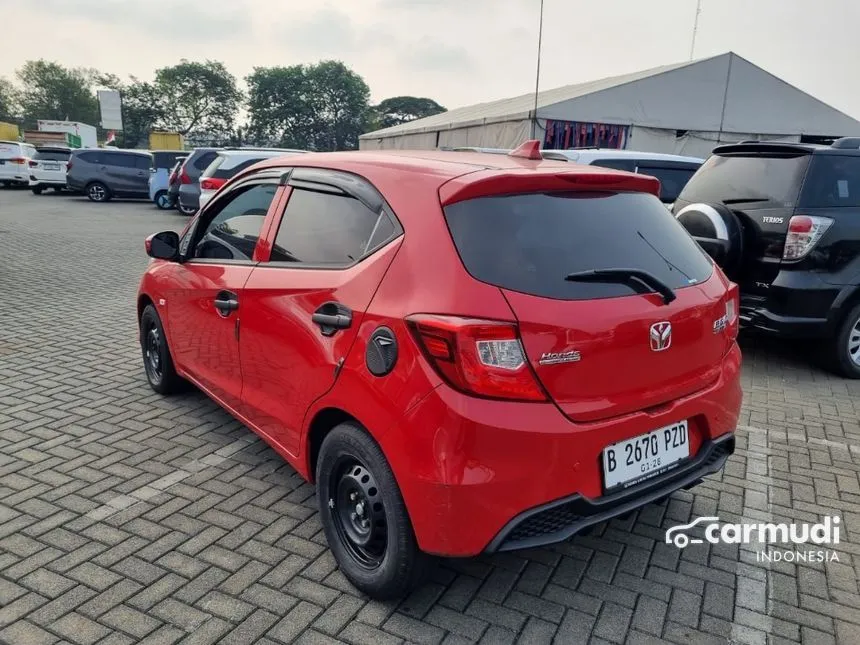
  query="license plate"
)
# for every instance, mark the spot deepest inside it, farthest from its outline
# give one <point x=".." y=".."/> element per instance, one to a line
<point x="628" y="462"/>
<point x="52" y="166"/>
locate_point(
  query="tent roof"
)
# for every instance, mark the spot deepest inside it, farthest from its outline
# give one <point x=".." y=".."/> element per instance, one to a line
<point x="619" y="106"/>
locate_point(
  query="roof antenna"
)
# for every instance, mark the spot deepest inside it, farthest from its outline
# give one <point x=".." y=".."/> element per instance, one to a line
<point x="695" y="28"/>
<point x="537" y="75"/>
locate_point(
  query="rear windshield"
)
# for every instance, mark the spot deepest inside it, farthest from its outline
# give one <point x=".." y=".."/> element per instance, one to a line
<point x="218" y="169"/>
<point x="530" y="242"/>
<point x="672" y="180"/>
<point x="833" y="181"/>
<point x="52" y="155"/>
<point x="756" y="181"/>
<point x="10" y="150"/>
<point x="166" y="159"/>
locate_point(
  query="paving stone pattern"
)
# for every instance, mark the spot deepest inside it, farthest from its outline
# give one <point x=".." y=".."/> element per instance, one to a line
<point x="126" y="517"/>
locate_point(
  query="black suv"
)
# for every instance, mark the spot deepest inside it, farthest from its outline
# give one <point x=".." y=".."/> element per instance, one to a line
<point x="783" y="221"/>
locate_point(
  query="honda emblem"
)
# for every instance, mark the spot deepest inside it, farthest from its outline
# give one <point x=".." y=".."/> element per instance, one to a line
<point x="661" y="336"/>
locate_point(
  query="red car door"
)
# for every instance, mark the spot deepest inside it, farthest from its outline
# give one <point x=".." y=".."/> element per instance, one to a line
<point x="303" y="307"/>
<point x="205" y="292"/>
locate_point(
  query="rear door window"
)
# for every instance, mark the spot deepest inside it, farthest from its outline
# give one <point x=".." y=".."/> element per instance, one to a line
<point x="531" y="242"/>
<point x="324" y="229"/>
<point x="120" y="160"/>
<point x="142" y="163"/>
<point x="833" y="181"/>
<point x="755" y="181"/>
<point x="90" y="157"/>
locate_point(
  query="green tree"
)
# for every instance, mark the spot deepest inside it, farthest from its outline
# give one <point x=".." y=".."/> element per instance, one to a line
<point x="400" y="109"/>
<point x="9" y="97"/>
<point x="197" y="99"/>
<point x="312" y="107"/>
<point x="51" y="91"/>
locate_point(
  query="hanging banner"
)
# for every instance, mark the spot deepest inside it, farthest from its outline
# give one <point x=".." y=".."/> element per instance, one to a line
<point x="562" y="135"/>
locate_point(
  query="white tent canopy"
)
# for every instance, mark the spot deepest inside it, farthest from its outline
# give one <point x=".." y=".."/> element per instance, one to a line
<point x="684" y="108"/>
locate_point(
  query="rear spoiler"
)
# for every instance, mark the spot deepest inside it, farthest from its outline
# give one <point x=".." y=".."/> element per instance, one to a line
<point x="492" y="182"/>
<point x="763" y="147"/>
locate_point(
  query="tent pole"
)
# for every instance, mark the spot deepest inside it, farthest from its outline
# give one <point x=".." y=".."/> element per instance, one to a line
<point x="537" y="74"/>
<point x="695" y="28"/>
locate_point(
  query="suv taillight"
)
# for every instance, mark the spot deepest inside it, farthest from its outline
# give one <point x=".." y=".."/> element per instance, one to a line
<point x="69" y="164"/>
<point x="480" y="357"/>
<point x="733" y="305"/>
<point x="211" y="183"/>
<point x="804" y="231"/>
<point x="183" y="177"/>
<point x="33" y="164"/>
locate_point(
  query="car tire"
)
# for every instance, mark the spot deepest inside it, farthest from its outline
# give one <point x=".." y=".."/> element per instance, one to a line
<point x="364" y="517"/>
<point x="162" y="200"/>
<point x="37" y="190"/>
<point x="157" y="362"/>
<point x="97" y="192"/>
<point x="846" y="348"/>
<point x="185" y="210"/>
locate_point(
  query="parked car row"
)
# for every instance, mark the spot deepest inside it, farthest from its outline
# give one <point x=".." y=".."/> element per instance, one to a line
<point x="169" y="178"/>
<point x="466" y="353"/>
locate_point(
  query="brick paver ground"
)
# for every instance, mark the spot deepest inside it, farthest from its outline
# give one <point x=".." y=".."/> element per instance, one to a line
<point x="127" y="517"/>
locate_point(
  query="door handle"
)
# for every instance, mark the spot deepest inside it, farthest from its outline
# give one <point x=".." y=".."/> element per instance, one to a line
<point x="331" y="317"/>
<point x="225" y="302"/>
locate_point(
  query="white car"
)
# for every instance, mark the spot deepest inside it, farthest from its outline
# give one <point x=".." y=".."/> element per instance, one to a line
<point x="48" y="168"/>
<point x="231" y="162"/>
<point x="673" y="171"/>
<point x="15" y="162"/>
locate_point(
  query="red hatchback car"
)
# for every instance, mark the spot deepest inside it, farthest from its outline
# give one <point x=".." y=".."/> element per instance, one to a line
<point x="465" y="352"/>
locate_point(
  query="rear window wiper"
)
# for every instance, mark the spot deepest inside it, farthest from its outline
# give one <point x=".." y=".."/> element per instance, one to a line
<point x="744" y="200"/>
<point x="624" y="276"/>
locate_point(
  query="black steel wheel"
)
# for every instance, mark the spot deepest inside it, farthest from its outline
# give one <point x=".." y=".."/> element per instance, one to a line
<point x="358" y="512"/>
<point x="364" y="517"/>
<point x="157" y="362"/>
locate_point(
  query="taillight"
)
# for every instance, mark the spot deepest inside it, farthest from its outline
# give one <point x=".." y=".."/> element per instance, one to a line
<point x="68" y="165"/>
<point x="33" y="164"/>
<point x="804" y="231"/>
<point x="481" y="357"/>
<point x="212" y="183"/>
<point x="21" y="160"/>
<point x="733" y="306"/>
<point x="184" y="178"/>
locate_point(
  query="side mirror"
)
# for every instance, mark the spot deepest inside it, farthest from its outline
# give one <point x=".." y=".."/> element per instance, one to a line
<point x="163" y="246"/>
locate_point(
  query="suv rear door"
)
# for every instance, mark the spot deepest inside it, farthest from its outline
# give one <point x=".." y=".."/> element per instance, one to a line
<point x="761" y="185"/>
<point x="591" y="344"/>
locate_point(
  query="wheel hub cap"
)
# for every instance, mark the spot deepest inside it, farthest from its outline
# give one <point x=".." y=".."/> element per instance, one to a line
<point x="854" y="343"/>
<point x="359" y="514"/>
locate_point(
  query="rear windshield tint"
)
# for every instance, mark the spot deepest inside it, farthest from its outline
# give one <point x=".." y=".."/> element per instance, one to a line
<point x="833" y="181"/>
<point x="530" y="242"/>
<point x="52" y="155"/>
<point x="226" y="173"/>
<point x="166" y="159"/>
<point x="756" y="181"/>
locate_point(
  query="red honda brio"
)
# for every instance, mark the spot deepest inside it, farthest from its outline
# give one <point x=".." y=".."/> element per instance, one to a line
<point x="466" y="352"/>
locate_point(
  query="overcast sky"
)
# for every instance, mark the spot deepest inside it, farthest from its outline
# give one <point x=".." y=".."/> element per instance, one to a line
<point x="457" y="52"/>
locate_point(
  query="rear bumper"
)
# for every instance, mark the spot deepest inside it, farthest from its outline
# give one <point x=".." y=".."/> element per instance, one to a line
<point x="472" y="471"/>
<point x="798" y="304"/>
<point x="16" y="173"/>
<point x="189" y="197"/>
<point x="565" y="518"/>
